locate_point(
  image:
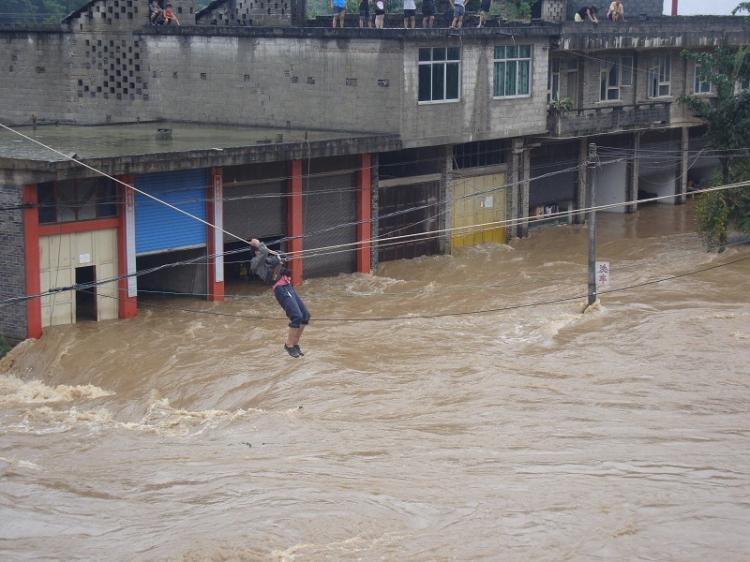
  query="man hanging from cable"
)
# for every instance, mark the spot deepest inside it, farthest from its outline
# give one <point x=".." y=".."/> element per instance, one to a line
<point x="271" y="268"/>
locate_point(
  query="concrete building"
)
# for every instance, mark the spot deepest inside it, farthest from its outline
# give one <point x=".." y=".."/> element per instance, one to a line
<point x="314" y="137"/>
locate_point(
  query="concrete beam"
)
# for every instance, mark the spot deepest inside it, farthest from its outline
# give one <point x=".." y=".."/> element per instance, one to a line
<point x="681" y="183"/>
<point x="523" y="226"/>
<point x="634" y="169"/>
<point x="40" y="171"/>
<point x="446" y="201"/>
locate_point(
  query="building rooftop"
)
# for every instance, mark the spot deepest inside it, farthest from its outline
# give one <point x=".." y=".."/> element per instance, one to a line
<point x="161" y="146"/>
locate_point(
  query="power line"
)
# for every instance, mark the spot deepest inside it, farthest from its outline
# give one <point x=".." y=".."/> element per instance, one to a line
<point x="338" y="248"/>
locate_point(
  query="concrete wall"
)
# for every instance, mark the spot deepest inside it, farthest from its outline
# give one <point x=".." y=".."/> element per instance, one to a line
<point x="354" y="83"/>
<point x="476" y="116"/>
<point x="302" y="83"/>
<point x="247" y="12"/>
<point x="12" y="260"/>
<point x="36" y="71"/>
<point x="681" y="82"/>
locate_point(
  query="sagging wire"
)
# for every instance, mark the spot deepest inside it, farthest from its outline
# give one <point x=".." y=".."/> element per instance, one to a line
<point x="350" y="246"/>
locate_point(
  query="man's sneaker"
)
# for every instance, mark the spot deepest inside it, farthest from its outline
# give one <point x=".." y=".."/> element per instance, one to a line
<point x="299" y="350"/>
<point x="292" y="350"/>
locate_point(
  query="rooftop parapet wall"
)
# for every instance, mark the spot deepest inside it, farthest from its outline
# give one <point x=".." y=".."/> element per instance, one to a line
<point x="685" y="32"/>
<point x="633" y="8"/>
<point x="514" y="30"/>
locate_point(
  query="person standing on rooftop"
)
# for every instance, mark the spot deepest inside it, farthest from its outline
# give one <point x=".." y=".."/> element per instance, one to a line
<point x="484" y="11"/>
<point x="428" y="13"/>
<point x="410" y="14"/>
<point x="458" y="14"/>
<point x="364" y="14"/>
<point x="339" y="12"/>
<point x="379" y="13"/>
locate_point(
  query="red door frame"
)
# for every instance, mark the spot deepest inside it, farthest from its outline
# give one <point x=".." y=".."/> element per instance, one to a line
<point x="295" y="223"/>
<point x="364" y="215"/>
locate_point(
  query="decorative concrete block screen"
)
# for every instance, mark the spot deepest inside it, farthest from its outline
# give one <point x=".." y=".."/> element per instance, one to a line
<point x="114" y="69"/>
<point x="554" y="10"/>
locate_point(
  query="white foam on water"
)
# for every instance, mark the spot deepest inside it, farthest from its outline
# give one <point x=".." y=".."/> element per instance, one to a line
<point x="12" y="465"/>
<point x="369" y="284"/>
<point x="16" y="391"/>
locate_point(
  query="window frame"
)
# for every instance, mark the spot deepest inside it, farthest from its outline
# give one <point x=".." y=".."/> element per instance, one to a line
<point x="624" y="76"/>
<point x="443" y="64"/>
<point x="56" y="208"/>
<point x="514" y="59"/>
<point x="662" y="66"/>
<point x="553" y="83"/>
<point x="698" y="83"/>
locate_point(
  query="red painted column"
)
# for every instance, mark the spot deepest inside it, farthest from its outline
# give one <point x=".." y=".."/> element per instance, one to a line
<point x="127" y="287"/>
<point x="33" y="265"/>
<point x="364" y="215"/>
<point x="215" y="239"/>
<point x="295" y="225"/>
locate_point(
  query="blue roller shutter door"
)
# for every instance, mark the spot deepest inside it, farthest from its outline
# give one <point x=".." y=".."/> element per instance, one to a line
<point x="159" y="228"/>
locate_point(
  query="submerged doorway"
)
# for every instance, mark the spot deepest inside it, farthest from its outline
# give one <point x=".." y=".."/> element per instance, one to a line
<point x="86" y="297"/>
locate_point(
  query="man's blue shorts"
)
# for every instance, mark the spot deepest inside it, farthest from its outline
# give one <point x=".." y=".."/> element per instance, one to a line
<point x="292" y="304"/>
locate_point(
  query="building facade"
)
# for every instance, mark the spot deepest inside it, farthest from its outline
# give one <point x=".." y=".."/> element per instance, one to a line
<point x="315" y="139"/>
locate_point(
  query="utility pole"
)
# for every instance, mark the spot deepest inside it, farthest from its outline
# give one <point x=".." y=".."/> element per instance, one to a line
<point x="591" y="220"/>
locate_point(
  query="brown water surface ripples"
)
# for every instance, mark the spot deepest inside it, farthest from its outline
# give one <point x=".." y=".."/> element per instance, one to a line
<point x="535" y="433"/>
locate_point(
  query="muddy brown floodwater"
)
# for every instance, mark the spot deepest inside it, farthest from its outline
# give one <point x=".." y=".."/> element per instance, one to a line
<point x="535" y="433"/>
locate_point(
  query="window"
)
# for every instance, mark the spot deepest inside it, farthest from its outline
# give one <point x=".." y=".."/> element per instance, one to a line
<point x="439" y="74"/>
<point x="77" y="200"/>
<point x="615" y="73"/>
<point x="512" y="71"/>
<point x="700" y="86"/>
<point x="659" y="77"/>
<point x="480" y="153"/>
<point x="553" y="84"/>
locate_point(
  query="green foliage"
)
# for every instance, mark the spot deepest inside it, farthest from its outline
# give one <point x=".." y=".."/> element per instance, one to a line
<point x="4" y="346"/>
<point x="713" y="219"/>
<point x="727" y="116"/>
<point x="520" y="9"/>
<point x="558" y="107"/>
<point x="718" y="211"/>
<point x="37" y="11"/>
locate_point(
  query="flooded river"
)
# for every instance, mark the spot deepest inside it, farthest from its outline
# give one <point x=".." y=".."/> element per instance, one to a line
<point x="532" y="433"/>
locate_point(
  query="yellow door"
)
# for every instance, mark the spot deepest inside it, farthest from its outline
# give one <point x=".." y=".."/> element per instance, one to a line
<point x="60" y="255"/>
<point x="480" y="201"/>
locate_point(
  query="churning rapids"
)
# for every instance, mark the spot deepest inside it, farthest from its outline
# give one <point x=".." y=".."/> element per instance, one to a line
<point x="534" y="433"/>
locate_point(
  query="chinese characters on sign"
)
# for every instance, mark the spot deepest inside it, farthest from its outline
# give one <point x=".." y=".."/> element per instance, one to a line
<point x="602" y="274"/>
